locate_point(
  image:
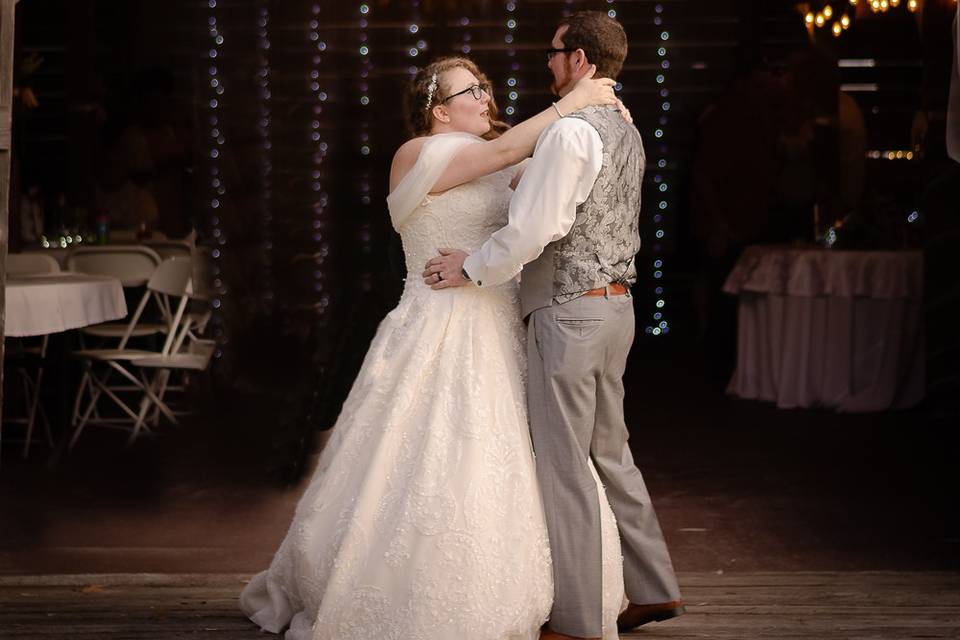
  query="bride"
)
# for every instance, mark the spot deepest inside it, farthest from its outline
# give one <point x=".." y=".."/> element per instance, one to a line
<point x="423" y="520"/>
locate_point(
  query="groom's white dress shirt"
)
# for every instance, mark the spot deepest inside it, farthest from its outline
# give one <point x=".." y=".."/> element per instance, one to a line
<point x="559" y="177"/>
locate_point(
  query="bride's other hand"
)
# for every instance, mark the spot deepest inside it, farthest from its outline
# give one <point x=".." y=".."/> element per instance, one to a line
<point x="624" y="111"/>
<point x="588" y="92"/>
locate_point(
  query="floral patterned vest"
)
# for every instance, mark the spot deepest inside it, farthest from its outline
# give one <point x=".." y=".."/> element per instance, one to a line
<point x="605" y="237"/>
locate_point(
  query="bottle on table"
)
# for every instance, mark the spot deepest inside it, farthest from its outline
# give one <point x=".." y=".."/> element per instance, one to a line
<point x="103" y="227"/>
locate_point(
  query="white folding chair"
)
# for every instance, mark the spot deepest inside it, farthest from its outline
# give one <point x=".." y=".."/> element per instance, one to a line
<point x="29" y="356"/>
<point x="26" y="264"/>
<point x="196" y="357"/>
<point x="170" y="248"/>
<point x="198" y="313"/>
<point x="171" y="283"/>
<point x="132" y="265"/>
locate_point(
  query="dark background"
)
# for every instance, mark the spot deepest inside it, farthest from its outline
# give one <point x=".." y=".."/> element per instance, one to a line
<point x="306" y="124"/>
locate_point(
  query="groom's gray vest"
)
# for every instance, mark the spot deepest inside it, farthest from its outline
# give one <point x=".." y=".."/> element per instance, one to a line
<point x="601" y="245"/>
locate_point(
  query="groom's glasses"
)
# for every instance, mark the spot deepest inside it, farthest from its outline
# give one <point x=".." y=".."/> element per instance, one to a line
<point x="553" y="52"/>
<point x="476" y="90"/>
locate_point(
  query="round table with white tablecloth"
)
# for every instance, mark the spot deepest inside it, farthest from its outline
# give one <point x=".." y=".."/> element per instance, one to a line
<point x="821" y="327"/>
<point x="51" y="303"/>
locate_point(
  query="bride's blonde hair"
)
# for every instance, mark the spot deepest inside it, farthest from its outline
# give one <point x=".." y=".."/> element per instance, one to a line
<point x="421" y="97"/>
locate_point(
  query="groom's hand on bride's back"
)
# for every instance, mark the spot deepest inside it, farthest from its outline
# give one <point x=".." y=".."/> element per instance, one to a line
<point x="445" y="270"/>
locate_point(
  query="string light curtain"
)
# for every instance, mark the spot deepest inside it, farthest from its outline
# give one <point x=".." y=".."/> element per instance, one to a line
<point x="320" y="199"/>
<point x="513" y="84"/>
<point x="216" y="193"/>
<point x="327" y="116"/>
<point x="264" y="129"/>
<point x="659" y="162"/>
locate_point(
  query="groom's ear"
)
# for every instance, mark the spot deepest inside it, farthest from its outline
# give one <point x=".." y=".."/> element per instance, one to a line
<point x="580" y="62"/>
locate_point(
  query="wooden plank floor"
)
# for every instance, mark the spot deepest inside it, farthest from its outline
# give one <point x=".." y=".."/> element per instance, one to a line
<point x="741" y="606"/>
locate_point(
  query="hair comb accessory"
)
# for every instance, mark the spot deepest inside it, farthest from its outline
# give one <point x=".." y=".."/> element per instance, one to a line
<point x="431" y="89"/>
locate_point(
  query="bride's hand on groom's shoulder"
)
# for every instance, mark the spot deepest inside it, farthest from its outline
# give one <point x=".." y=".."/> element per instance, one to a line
<point x="445" y="270"/>
<point x="589" y="91"/>
<point x="624" y="111"/>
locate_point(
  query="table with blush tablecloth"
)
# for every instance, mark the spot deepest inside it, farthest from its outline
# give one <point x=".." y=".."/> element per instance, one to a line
<point x="828" y="328"/>
<point x="51" y="303"/>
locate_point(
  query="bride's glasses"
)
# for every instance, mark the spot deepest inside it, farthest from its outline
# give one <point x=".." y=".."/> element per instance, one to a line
<point x="476" y="91"/>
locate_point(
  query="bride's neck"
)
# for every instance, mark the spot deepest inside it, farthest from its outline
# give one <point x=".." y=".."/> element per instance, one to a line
<point x="442" y="127"/>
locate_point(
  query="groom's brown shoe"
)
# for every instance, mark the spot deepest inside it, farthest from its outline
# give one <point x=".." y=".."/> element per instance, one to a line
<point x="636" y="615"/>
<point x="546" y="634"/>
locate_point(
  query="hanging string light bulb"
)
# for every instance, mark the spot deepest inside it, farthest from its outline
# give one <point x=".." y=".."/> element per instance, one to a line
<point x="365" y="142"/>
<point x="465" y="35"/>
<point x="827" y="16"/>
<point x="417" y="43"/>
<point x="320" y="148"/>
<point x="266" y="153"/>
<point x="217" y="192"/>
<point x="513" y="82"/>
<point x="659" y="324"/>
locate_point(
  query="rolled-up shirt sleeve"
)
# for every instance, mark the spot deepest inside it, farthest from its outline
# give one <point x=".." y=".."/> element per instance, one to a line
<point x="565" y="165"/>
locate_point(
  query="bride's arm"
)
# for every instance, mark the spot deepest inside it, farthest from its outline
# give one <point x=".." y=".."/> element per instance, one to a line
<point x="518" y="142"/>
<point x="514" y="145"/>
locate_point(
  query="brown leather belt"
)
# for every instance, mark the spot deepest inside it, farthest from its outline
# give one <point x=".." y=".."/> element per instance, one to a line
<point x="614" y="289"/>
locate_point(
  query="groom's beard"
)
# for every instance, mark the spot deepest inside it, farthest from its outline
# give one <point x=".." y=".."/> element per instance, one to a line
<point x="561" y="90"/>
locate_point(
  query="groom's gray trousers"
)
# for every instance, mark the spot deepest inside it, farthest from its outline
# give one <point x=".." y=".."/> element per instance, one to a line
<point x="577" y="352"/>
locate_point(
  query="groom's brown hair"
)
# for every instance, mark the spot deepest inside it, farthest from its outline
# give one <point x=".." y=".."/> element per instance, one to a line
<point x="602" y="39"/>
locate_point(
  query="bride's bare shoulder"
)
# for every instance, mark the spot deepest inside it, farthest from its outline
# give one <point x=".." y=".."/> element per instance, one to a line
<point x="404" y="159"/>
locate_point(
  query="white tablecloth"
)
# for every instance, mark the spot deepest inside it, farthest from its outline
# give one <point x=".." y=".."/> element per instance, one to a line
<point x="818" y="327"/>
<point x="42" y="304"/>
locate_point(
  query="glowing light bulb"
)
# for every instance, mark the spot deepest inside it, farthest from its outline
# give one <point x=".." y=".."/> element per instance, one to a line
<point x="828" y="12"/>
<point x="820" y="20"/>
<point x="845" y="21"/>
<point x="837" y="29"/>
<point x="809" y="18"/>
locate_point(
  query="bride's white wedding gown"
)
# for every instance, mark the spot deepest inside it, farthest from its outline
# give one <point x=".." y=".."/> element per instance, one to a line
<point x="423" y="520"/>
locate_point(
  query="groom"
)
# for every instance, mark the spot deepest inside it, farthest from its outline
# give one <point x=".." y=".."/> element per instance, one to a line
<point x="573" y="223"/>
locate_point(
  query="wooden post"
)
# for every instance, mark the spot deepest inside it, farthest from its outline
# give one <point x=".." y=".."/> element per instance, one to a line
<point x="6" y="139"/>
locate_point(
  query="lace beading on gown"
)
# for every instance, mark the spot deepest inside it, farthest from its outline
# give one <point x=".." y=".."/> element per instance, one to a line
<point x="423" y="520"/>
